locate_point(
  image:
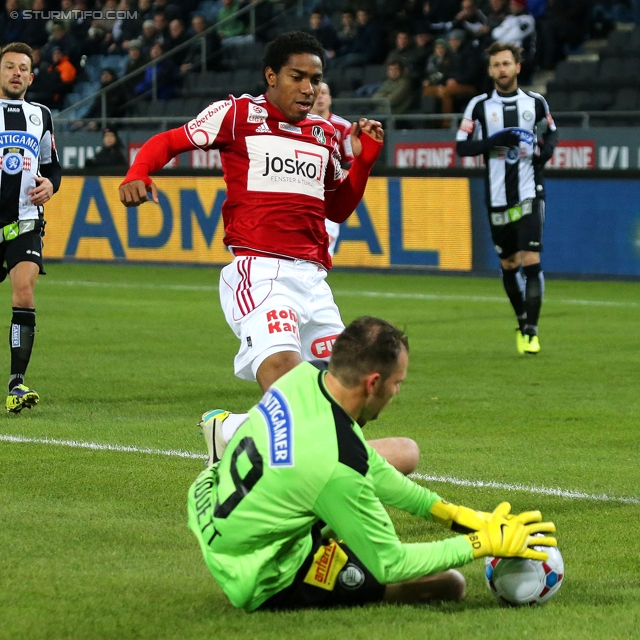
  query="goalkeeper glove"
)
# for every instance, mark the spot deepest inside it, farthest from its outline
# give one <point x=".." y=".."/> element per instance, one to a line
<point x="507" y="538"/>
<point x="464" y="520"/>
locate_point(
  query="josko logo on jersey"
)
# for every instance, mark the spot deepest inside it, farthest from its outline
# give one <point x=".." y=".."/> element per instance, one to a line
<point x="22" y="140"/>
<point x="277" y="415"/>
<point x="279" y="164"/>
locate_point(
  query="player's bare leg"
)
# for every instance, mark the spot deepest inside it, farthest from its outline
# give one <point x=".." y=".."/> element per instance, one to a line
<point x="447" y="586"/>
<point x="275" y="366"/>
<point x="401" y="453"/>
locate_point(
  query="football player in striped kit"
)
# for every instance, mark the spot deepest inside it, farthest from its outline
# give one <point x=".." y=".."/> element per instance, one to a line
<point x="30" y="174"/>
<point x="514" y="132"/>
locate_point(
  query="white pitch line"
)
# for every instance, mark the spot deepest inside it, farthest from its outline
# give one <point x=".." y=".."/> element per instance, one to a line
<point x="79" y="444"/>
<point x="546" y="491"/>
<point x="364" y="294"/>
<point x="561" y="493"/>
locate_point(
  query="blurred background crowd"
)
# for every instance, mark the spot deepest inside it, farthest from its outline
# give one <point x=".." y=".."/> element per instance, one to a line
<point x="419" y="55"/>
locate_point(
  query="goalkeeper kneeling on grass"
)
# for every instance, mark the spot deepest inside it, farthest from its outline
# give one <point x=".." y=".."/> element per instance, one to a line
<point x="300" y="460"/>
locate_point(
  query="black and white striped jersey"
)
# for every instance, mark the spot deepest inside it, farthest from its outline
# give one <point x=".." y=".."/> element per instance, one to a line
<point x="512" y="174"/>
<point x="27" y="149"/>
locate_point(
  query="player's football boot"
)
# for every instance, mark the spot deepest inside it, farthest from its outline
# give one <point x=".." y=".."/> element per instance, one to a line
<point x="521" y="341"/>
<point x="211" y="429"/>
<point x="532" y="345"/>
<point x="20" y="397"/>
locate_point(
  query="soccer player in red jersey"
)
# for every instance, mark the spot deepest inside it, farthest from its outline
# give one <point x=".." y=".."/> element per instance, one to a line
<point x="322" y="107"/>
<point x="284" y="179"/>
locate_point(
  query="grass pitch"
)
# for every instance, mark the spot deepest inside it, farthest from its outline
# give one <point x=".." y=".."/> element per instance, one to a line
<point x="94" y="542"/>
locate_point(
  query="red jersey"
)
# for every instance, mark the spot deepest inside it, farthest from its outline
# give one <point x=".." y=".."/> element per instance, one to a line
<point x="343" y="135"/>
<point x="283" y="178"/>
<point x="276" y="172"/>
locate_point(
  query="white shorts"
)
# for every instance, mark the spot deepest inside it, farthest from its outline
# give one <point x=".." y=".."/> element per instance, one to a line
<point x="275" y="305"/>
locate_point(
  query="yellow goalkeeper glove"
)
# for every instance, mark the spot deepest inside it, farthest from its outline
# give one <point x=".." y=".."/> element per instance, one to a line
<point x="513" y="537"/>
<point x="464" y="520"/>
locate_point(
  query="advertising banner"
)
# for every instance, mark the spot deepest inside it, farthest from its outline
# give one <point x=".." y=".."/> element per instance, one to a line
<point x="401" y="222"/>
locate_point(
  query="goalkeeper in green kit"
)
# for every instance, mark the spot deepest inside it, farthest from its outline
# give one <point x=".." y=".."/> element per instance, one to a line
<point x="300" y="460"/>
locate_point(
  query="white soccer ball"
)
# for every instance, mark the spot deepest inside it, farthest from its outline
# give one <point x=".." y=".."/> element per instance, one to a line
<point x="517" y="582"/>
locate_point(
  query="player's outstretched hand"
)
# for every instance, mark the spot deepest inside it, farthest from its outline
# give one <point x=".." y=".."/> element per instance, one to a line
<point x="134" y="193"/>
<point x="508" y="538"/>
<point x="372" y="128"/>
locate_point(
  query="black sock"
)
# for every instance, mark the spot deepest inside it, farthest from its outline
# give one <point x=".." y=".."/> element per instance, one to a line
<point x="21" y="336"/>
<point x="513" y="285"/>
<point x="534" y="292"/>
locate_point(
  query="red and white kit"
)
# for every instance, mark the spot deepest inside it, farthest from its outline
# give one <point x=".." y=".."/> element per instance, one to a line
<point x="343" y="136"/>
<point x="283" y="180"/>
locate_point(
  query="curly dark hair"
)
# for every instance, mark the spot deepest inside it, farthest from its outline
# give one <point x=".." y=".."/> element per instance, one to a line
<point x="287" y="44"/>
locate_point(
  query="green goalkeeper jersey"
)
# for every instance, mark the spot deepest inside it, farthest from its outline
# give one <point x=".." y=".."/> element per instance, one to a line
<point x="300" y="458"/>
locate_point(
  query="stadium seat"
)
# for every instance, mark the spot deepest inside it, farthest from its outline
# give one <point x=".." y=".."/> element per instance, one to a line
<point x="630" y="73"/>
<point x="117" y="63"/>
<point x="626" y="99"/>
<point x="93" y="67"/>
<point x="354" y="75"/>
<point x="634" y="42"/>
<point x="373" y="73"/>
<point x="591" y="100"/>
<point x="617" y="44"/>
<point x="559" y="100"/>
<point x="609" y="73"/>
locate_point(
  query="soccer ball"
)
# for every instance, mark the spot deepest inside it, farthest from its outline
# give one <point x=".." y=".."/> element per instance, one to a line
<point x="516" y="581"/>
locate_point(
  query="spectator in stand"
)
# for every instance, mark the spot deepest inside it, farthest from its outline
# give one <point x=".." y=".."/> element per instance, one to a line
<point x="403" y="49"/>
<point x="423" y="48"/>
<point x="135" y="61"/>
<point x="79" y="28"/>
<point x="348" y="28"/>
<point x="169" y="9"/>
<point x="46" y="83"/>
<point x="67" y="43"/>
<point x="166" y="74"/>
<point x="125" y="28"/>
<point x="438" y="67"/>
<point x="149" y="37"/>
<point x="66" y="70"/>
<point x="321" y="28"/>
<point x="519" y="29"/>
<point x="145" y="10"/>
<point x="397" y="88"/>
<point x="177" y="36"/>
<point x="193" y="59"/>
<point x="465" y="74"/>
<point x="35" y="32"/>
<point x="366" y="46"/>
<point x="232" y="27"/>
<point x="11" y="29"/>
<point x="161" y="24"/>
<point x="565" y="24"/>
<point x="108" y="19"/>
<point x="116" y="99"/>
<point x="111" y="154"/>
<point x="497" y="12"/>
<point x="471" y="19"/>
<point x="264" y="25"/>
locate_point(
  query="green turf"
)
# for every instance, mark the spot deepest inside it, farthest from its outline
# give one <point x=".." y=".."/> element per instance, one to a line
<point x="94" y="544"/>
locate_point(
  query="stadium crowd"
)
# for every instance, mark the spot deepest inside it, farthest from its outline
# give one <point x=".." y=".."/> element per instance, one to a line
<point x="426" y="55"/>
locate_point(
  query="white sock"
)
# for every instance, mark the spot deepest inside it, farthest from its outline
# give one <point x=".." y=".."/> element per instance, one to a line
<point x="232" y="424"/>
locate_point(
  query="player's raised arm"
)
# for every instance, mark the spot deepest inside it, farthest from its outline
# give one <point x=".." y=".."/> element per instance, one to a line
<point x="153" y="155"/>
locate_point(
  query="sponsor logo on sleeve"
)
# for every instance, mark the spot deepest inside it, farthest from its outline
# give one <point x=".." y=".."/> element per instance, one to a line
<point x="34" y="119"/>
<point x="328" y="560"/>
<point x="277" y="415"/>
<point x="204" y="128"/>
<point x="351" y="577"/>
